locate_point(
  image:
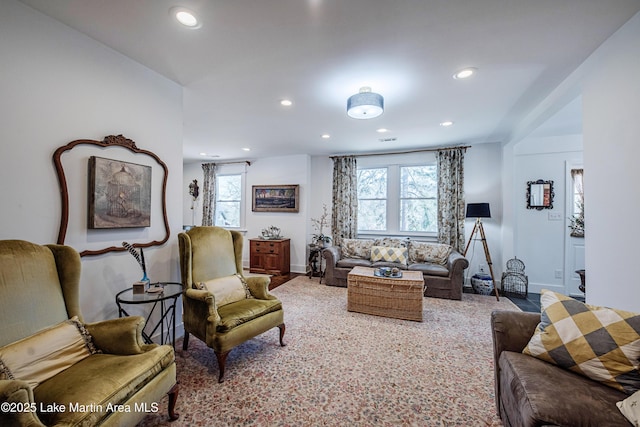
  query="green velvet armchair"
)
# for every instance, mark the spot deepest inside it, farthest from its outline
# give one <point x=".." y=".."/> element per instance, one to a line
<point x="209" y="253"/>
<point x="109" y="376"/>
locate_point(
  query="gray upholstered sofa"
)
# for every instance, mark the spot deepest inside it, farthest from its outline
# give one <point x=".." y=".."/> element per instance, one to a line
<point x="442" y="267"/>
<point x="532" y="392"/>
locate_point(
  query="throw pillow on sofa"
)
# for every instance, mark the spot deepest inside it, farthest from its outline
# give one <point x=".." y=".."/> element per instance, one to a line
<point x="598" y="342"/>
<point x="392" y="242"/>
<point x="45" y="354"/>
<point x="435" y="253"/>
<point x="630" y="408"/>
<point x="383" y="253"/>
<point x="356" y="248"/>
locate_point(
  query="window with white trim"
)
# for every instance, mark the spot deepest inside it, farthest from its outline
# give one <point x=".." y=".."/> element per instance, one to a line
<point x="228" y="200"/>
<point x="398" y="199"/>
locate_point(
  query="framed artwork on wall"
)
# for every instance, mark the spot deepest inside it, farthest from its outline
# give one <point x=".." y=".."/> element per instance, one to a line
<point x="275" y="198"/>
<point x="132" y="219"/>
<point x="119" y="194"/>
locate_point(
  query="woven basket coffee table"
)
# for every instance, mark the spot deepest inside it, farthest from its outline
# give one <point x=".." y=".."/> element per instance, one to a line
<point x="397" y="297"/>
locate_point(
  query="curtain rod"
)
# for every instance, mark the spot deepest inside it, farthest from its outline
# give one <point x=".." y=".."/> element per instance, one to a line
<point x="247" y="162"/>
<point x="423" y="150"/>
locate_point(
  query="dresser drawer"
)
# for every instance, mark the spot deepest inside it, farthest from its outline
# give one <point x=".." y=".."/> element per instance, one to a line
<point x="265" y="247"/>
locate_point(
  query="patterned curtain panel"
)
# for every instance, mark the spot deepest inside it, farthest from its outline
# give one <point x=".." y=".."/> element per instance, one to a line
<point x="209" y="194"/>
<point x="451" y="197"/>
<point x="344" y="216"/>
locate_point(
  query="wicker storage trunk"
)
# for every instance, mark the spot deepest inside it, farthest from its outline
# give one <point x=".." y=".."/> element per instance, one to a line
<point x="400" y="298"/>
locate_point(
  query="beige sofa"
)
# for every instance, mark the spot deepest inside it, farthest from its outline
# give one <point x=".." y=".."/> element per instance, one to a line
<point x="55" y="370"/>
<point x="442" y="267"/>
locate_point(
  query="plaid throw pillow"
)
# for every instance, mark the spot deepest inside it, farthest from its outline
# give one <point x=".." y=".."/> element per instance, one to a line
<point x="382" y="253"/>
<point x="598" y="342"/>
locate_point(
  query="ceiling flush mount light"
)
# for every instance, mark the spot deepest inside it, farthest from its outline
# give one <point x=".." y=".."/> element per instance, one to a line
<point x="365" y="104"/>
<point x="446" y="124"/>
<point x="465" y="73"/>
<point x="286" y="103"/>
<point x="325" y="136"/>
<point x="185" y="17"/>
<point x="382" y="130"/>
<point x="246" y="149"/>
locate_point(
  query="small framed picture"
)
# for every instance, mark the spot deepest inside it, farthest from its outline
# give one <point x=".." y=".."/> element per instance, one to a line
<point x="275" y="198"/>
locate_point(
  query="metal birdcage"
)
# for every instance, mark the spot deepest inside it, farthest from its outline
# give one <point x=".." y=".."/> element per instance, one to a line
<point x="514" y="282"/>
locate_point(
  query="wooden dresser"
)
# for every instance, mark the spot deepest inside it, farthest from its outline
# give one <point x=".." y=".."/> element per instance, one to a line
<point x="269" y="256"/>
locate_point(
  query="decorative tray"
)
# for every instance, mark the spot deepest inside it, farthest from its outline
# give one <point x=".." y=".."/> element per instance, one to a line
<point x="379" y="273"/>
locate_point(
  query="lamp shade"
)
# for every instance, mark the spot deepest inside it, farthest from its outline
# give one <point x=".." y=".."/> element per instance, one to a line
<point x="478" y="210"/>
<point x="365" y="105"/>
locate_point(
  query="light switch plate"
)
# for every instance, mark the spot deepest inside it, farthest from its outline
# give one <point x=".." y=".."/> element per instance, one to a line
<point x="553" y="216"/>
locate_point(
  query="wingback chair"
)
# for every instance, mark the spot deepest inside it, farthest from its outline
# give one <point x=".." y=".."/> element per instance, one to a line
<point x="210" y="253"/>
<point x="50" y="359"/>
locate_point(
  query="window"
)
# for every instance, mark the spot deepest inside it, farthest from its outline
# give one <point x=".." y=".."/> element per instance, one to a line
<point x="372" y="199"/>
<point x="400" y="199"/>
<point x="418" y="198"/>
<point x="576" y="221"/>
<point x="228" y="200"/>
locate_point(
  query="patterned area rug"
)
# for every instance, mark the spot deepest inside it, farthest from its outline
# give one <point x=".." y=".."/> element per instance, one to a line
<point x="347" y="369"/>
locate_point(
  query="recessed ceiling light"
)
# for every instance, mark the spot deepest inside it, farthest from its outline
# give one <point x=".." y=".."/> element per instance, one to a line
<point x="465" y="73"/>
<point x="446" y="123"/>
<point x="382" y="130"/>
<point x="286" y="103"/>
<point x="203" y="154"/>
<point x="185" y="17"/>
<point x="246" y="149"/>
<point x="325" y="136"/>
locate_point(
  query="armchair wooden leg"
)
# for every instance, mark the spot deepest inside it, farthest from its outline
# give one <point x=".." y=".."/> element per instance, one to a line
<point x="185" y="341"/>
<point x="282" y="329"/>
<point x="222" y="360"/>
<point x="173" y="397"/>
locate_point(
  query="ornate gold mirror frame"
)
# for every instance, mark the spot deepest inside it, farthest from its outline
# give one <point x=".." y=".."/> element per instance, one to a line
<point x="109" y="141"/>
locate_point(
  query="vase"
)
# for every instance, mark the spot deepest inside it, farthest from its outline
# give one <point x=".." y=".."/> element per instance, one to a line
<point x="145" y="278"/>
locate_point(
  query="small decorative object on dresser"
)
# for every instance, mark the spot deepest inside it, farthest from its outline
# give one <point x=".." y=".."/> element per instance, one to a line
<point x="271" y="233"/>
<point x="269" y="256"/>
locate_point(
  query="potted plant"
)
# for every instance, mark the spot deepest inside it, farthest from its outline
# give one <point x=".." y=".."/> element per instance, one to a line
<point x="319" y="238"/>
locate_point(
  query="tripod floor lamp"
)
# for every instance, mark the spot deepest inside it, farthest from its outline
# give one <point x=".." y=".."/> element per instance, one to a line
<point x="479" y="211"/>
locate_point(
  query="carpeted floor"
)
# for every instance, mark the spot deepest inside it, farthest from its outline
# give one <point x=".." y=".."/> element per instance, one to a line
<point x="347" y="369"/>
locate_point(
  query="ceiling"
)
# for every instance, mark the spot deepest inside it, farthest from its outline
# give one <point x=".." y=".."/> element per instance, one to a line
<point x="250" y="54"/>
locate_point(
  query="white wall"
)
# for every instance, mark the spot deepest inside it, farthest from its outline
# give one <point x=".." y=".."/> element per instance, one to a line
<point x="282" y="170"/>
<point x="482" y="184"/>
<point x="268" y="171"/>
<point x="541" y="234"/>
<point x="315" y="176"/>
<point x="611" y="102"/>
<point x="192" y="210"/>
<point x="57" y="86"/>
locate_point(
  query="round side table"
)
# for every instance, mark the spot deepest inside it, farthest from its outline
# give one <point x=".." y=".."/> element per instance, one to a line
<point x="165" y="301"/>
